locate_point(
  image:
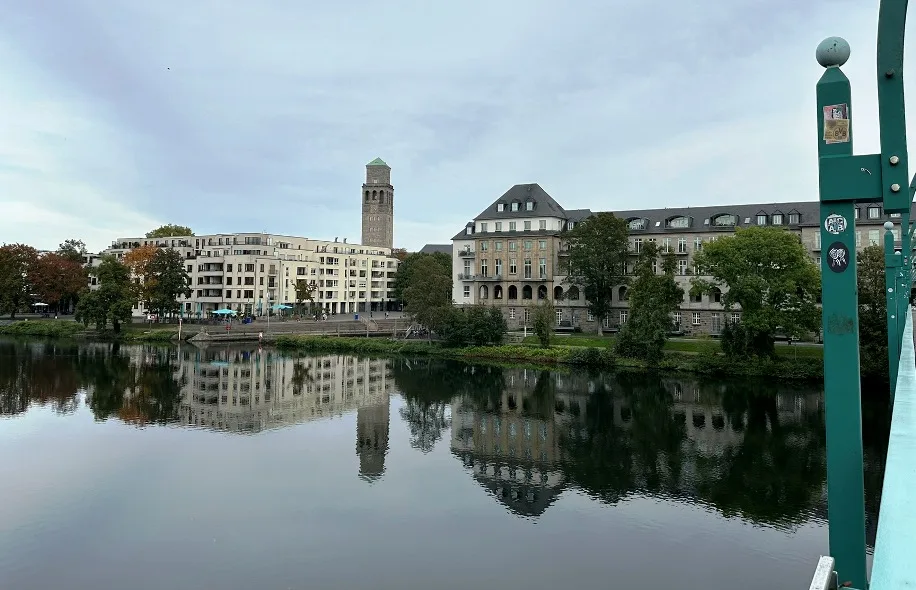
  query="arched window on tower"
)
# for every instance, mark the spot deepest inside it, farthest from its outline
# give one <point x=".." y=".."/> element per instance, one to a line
<point x="367" y="195"/>
<point x="374" y="195"/>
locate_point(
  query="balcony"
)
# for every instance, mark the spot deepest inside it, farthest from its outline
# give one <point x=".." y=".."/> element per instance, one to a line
<point x="465" y="276"/>
<point x="466" y="253"/>
<point x="489" y="278"/>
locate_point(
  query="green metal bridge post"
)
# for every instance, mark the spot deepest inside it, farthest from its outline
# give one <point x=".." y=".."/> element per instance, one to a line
<point x="840" y="184"/>
<point x="892" y="280"/>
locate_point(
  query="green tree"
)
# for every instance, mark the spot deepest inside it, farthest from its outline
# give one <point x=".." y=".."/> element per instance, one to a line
<point x="171" y="281"/>
<point x="653" y="297"/>
<point x="305" y="291"/>
<point x="428" y="295"/>
<point x="404" y="276"/>
<point x="872" y="311"/>
<point x="598" y="250"/>
<point x="112" y="301"/>
<point x="542" y="321"/>
<point x="170" y="230"/>
<point x="17" y="268"/>
<point x="766" y="272"/>
<point x="72" y="249"/>
<point x="478" y="325"/>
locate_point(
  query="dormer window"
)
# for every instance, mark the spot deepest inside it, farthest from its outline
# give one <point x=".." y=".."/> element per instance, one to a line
<point x="874" y="212"/>
<point x="636" y="224"/>
<point x="761" y="219"/>
<point x="468" y="230"/>
<point x="515" y="205"/>
<point x="794" y="218"/>
<point x="529" y="205"/>
<point x="725" y="220"/>
<point x="777" y="219"/>
<point x="500" y="207"/>
<point x="679" y="222"/>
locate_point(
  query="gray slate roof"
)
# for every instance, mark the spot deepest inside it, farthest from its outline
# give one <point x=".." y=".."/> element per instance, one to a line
<point x="433" y="248"/>
<point x="701" y="217"/>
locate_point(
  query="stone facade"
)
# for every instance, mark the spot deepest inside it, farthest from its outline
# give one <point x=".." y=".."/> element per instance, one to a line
<point x="378" y="205"/>
<point x="526" y="224"/>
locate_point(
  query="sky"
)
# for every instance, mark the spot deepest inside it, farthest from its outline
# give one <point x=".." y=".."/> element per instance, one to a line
<point x="117" y="117"/>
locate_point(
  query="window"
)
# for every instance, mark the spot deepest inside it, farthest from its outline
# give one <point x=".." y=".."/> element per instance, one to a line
<point x="677" y="320"/>
<point x="636" y="224"/>
<point x="696" y="318"/>
<point x="896" y="233"/>
<point x="542" y="224"/>
<point x="623" y="317"/>
<point x="262" y="268"/>
<point x="484" y="246"/>
<point x="817" y="240"/>
<point x="874" y="236"/>
<point x="777" y="219"/>
<point x="874" y="212"/>
<point x="498" y="266"/>
<point x="682" y="245"/>
<point x="515" y="206"/>
<point x="483" y="227"/>
<point x="527" y="268"/>
<point x="249" y="268"/>
<point x="724" y="220"/>
<point x="856" y="214"/>
<point x="666" y="246"/>
<point x="499" y="226"/>
<point x="498" y="246"/>
<point x="542" y="268"/>
<point x="736" y="317"/>
<point x="512" y="246"/>
<point x="467" y="268"/>
<point x="527" y="314"/>
<point x="513" y="266"/>
<point x="467" y="291"/>
<point x="717" y="321"/>
<point x="591" y="317"/>
<point x="559" y="316"/>
<point x="542" y="244"/>
<point x="794" y="218"/>
<point x="655" y="267"/>
<point x="500" y="207"/>
<point x="511" y="313"/>
<point x="698" y="244"/>
<point x="682" y="266"/>
<point x="679" y="222"/>
<point x="637" y="245"/>
<point x="527" y="244"/>
<point x="527" y="226"/>
<point x="483" y="268"/>
<point x="761" y="220"/>
<point x="817" y="261"/>
<point x="511" y="226"/>
<point x="529" y="205"/>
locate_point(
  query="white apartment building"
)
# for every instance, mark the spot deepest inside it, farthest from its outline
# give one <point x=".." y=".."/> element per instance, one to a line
<point x="251" y="272"/>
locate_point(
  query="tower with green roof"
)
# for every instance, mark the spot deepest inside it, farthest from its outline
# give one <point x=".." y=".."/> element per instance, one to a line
<point x="378" y="205"/>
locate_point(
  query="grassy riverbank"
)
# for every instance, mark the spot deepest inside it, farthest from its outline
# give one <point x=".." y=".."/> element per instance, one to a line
<point x="706" y="362"/>
<point x="71" y="329"/>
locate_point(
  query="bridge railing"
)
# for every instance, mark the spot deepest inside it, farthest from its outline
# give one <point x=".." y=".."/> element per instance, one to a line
<point x="895" y="545"/>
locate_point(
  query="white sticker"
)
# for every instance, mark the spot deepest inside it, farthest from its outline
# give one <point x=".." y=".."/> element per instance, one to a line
<point x="835" y="224"/>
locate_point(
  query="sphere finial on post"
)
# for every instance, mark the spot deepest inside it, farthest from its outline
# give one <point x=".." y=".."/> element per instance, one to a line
<point x="832" y="52"/>
<point x="888" y="225"/>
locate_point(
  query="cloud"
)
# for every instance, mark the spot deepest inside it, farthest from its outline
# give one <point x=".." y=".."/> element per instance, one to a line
<point x="250" y="116"/>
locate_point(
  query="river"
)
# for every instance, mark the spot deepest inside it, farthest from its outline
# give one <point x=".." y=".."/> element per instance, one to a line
<point x="229" y="467"/>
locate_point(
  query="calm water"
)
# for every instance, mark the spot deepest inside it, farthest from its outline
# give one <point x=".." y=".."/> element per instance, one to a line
<point x="143" y="467"/>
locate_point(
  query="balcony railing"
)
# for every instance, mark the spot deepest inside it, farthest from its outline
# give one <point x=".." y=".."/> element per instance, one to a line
<point x="466" y="253"/>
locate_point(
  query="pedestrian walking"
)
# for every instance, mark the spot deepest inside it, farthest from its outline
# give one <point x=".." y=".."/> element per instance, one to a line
<point x="260" y="337"/>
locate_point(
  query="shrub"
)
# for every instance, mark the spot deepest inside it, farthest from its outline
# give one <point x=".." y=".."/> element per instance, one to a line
<point x="48" y="328"/>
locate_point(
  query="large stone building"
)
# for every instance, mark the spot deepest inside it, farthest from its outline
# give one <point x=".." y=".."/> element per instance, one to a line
<point x="252" y="272"/>
<point x="378" y="205"/>
<point x="511" y="254"/>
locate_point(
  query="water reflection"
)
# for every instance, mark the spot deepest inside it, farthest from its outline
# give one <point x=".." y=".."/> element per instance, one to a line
<point x="754" y="450"/>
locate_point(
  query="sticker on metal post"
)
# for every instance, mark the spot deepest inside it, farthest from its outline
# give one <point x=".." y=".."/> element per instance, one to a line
<point x="836" y="123"/>
<point x="838" y="257"/>
<point x="835" y="224"/>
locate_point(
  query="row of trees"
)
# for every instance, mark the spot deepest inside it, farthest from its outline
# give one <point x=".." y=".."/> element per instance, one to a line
<point x="28" y="277"/>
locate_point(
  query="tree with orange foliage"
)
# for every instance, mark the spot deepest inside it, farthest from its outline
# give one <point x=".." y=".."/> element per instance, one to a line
<point x="139" y="261"/>
<point x="57" y="279"/>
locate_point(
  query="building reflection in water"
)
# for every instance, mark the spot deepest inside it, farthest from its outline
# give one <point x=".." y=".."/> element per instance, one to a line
<point x="251" y="390"/>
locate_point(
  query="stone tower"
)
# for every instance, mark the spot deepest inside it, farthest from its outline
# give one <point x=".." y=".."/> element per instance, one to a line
<point x="372" y="440"/>
<point x="378" y="205"/>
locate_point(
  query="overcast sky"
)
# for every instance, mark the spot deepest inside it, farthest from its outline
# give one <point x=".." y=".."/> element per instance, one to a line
<point x="119" y="115"/>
